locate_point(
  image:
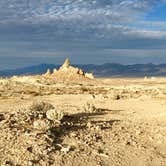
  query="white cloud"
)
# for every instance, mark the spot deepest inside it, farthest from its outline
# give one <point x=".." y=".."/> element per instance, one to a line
<point x="79" y="25"/>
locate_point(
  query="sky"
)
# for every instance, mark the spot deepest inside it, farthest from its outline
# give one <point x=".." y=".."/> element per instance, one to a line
<point x="86" y="31"/>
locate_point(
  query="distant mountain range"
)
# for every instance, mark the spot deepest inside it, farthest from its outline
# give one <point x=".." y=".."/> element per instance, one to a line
<point x="104" y="70"/>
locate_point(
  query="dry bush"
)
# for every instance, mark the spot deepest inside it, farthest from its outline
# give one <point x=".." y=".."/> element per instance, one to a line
<point x="31" y="130"/>
<point x="54" y="115"/>
<point x="45" y="115"/>
<point x="90" y="108"/>
<point x="40" y="107"/>
<point x="42" y="124"/>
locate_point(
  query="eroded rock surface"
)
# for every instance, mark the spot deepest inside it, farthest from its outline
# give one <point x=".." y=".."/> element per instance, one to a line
<point x="67" y="72"/>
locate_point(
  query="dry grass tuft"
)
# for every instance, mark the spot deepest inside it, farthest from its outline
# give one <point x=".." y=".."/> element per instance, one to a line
<point x="90" y="108"/>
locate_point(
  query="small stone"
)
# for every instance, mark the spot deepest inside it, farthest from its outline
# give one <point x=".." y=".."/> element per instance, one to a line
<point x="138" y="132"/>
<point x="65" y="148"/>
<point x="89" y="125"/>
<point x="98" y="128"/>
<point x="30" y="163"/>
<point x="9" y="162"/>
<point x="2" y="117"/>
<point x="127" y="143"/>
<point x="30" y="149"/>
<point x="73" y="134"/>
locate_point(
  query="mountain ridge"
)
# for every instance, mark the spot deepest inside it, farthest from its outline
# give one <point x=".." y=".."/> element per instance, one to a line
<point x="103" y="70"/>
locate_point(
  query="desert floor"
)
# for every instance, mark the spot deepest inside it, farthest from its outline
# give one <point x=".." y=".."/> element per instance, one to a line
<point x="127" y="126"/>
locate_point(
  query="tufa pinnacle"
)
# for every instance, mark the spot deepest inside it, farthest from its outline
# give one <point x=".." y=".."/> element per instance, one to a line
<point x="48" y="73"/>
<point x="66" y="63"/>
<point x="68" y="72"/>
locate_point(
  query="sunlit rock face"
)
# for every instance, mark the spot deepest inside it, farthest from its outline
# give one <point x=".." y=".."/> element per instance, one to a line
<point x="66" y="64"/>
<point x="69" y="73"/>
<point x="48" y="73"/>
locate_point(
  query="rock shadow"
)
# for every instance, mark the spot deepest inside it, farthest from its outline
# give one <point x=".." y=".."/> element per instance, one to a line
<point x="78" y="122"/>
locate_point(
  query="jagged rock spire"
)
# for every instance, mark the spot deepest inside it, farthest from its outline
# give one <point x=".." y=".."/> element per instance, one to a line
<point x="68" y="72"/>
<point x="48" y="73"/>
<point x="66" y="63"/>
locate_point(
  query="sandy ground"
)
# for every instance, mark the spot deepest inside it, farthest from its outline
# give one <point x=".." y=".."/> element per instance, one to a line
<point x="129" y="128"/>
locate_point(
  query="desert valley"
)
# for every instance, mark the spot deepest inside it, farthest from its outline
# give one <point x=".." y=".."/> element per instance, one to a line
<point x="69" y="118"/>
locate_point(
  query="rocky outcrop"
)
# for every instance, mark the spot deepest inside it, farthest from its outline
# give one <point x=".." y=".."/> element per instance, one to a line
<point x="48" y="73"/>
<point x="66" y="64"/>
<point x="89" y="75"/>
<point x="67" y="72"/>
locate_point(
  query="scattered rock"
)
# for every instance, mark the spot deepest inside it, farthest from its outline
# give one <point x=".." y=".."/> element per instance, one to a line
<point x="65" y="148"/>
<point x="89" y="75"/>
<point x="2" y="117"/>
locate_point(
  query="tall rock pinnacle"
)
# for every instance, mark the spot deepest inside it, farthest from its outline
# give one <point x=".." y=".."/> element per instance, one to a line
<point x="67" y="72"/>
<point x="66" y="63"/>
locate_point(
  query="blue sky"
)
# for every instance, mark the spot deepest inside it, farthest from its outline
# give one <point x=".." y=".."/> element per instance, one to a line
<point x="86" y="31"/>
<point x="158" y="13"/>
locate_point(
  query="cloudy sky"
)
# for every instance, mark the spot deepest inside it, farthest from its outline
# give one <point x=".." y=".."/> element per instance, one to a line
<point x="86" y="31"/>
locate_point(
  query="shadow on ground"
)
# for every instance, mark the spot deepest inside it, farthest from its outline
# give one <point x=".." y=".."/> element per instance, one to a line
<point x="78" y="122"/>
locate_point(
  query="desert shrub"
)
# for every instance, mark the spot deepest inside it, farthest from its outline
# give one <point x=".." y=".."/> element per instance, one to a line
<point x="45" y="115"/>
<point x="90" y="108"/>
<point x="54" y="115"/>
<point x="40" y="108"/>
<point x="42" y="125"/>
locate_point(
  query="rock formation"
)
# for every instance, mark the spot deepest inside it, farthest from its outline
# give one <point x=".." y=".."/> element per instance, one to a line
<point x="48" y="73"/>
<point x="66" y="64"/>
<point x="89" y="75"/>
<point x="69" y="73"/>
